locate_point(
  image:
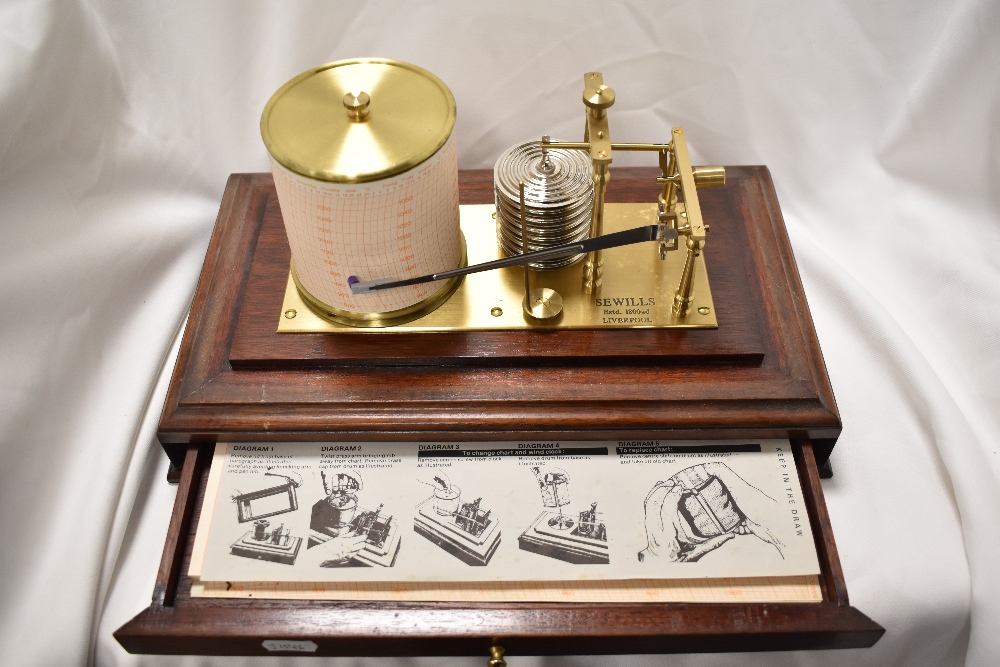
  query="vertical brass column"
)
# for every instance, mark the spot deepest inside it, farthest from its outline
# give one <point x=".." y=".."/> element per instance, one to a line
<point x="689" y="222"/>
<point x="541" y="303"/>
<point x="684" y="295"/>
<point x="668" y="198"/>
<point x="593" y="265"/>
<point x="598" y="98"/>
<point x="668" y="167"/>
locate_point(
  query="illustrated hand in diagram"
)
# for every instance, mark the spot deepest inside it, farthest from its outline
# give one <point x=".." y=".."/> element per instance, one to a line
<point x="335" y="551"/>
<point x="553" y="483"/>
<point x="701" y="508"/>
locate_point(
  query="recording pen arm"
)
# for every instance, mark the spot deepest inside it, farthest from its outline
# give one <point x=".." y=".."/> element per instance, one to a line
<point x="658" y="232"/>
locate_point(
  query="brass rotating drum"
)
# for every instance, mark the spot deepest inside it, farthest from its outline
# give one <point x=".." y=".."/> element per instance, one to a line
<point x="364" y="162"/>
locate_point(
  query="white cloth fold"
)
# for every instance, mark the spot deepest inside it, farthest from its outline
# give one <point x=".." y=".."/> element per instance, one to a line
<point x="121" y="122"/>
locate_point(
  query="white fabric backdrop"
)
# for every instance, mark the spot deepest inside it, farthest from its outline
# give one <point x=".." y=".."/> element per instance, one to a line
<point x="121" y="122"/>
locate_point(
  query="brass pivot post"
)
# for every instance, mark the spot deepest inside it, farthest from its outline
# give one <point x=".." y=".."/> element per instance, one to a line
<point x="496" y="657"/>
<point x="667" y="203"/>
<point x="598" y="98"/>
<point x="685" y="295"/>
<point x="678" y="172"/>
<point x="541" y="303"/>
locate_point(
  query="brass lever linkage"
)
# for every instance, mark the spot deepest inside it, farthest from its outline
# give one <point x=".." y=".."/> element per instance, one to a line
<point x="686" y="215"/>
<point x="677" y="176"/>
<point x="598" y="98"/>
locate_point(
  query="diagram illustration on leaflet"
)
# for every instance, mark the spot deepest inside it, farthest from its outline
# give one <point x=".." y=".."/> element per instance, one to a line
<point x="356" y="536"/>
<point x="466" y="530"/>
<point x="263" y="542"/>
<point x="702" y="508"/>
<point x="579" y="540"/>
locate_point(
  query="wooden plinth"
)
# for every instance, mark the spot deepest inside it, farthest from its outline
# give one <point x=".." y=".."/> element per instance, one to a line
<point x="760" y="374"/>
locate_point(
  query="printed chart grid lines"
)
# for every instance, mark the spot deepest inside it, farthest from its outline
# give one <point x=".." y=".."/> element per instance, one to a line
<point x="403" y="226"/>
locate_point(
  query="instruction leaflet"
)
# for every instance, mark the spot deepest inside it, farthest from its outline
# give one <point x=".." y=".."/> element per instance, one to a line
<point x="508" y="511"/>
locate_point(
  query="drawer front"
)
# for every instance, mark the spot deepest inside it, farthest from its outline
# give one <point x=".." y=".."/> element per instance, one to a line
<point x="177" y="623"/>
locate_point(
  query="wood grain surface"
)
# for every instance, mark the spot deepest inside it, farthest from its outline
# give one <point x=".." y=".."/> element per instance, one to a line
<point x="766" y="378"/>
<point x="760" y="375"/>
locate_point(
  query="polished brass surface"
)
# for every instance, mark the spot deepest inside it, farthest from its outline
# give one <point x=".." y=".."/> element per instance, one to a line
<point x="496" y="657"/>
<point x="390" y="319"/>
<point x="709" y="177"/>
<point x="596" y="95"/>
<point x="684" y="296"/>
<point x="357" y="105"/>
<point x="525" y="250"/>
<point x="635" y="279"/>
<point x="397" y="116"/>
<point x="688" y="220"/>
<point x="692" y="208"/>
<point x="542" y="303"/>
<point x="598" y="98"/>
<point x="593" y="266"/>
<point x="585" y="146"/>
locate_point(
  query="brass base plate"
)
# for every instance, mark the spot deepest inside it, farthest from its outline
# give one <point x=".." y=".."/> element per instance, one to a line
<point x="637" y="290"/>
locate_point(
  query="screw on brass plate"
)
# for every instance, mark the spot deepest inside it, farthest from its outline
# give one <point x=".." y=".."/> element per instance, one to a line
<point x="290" y="313"/>
<point x="496" y="657"/>
<point x="704" y="310"/>
<point x="496" y="311"/>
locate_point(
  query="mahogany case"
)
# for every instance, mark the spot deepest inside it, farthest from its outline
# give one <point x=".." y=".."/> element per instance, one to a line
<point x="759" y="375"/>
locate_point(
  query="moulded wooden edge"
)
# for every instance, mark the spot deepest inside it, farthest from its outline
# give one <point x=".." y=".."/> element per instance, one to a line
<point x="237" y="627"/>
<point x="208" y="400"/>
<point x="682" y="629"/>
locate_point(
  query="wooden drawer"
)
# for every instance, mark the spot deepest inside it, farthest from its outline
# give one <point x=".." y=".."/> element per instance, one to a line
<point x="177" y="623"/>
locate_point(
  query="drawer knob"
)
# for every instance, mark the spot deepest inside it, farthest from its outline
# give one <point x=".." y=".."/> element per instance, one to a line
<point x="496" y="657"/>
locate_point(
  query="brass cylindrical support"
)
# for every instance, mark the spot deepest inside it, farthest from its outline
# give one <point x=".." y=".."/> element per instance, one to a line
<point x="541" y="303"/>
<point x="593" y="266"/>
<point x="668" y="165"/>
<point x="685" y="293"/>
<point x="524" y="248"/>
<point x="496" y="657"/>
<point x="709" y="177"/>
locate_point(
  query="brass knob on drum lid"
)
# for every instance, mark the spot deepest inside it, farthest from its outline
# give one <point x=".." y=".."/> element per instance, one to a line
<point x="356" y="104"/>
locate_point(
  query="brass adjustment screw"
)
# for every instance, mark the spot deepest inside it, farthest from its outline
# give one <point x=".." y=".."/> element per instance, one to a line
<point x="496" y="657"/>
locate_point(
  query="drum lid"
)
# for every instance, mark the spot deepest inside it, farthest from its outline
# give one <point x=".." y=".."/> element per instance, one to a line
<point x="354" y="121"/>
